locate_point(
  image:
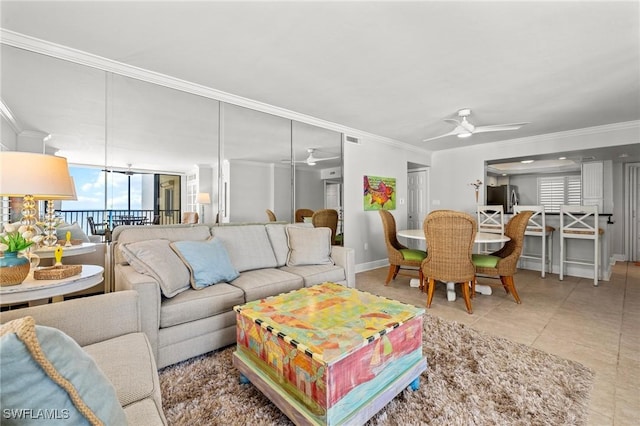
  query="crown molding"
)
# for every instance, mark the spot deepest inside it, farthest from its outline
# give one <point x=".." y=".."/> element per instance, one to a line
<point x="606" y="128"/>
<point x="9" y="117"/>
<point x="22" y="41"/>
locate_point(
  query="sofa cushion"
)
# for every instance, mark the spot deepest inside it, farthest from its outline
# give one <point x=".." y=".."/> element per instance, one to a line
<point x="248" y="246"/>
<point x="128" y="362"/>
<point x="194" y="305"/>
<point x="131" y="234"/>
<point x="144" y="412"/>
<point x="43" y="368"/>
<point x="278" y="238"/>
<point x="317" y="274"/>
<point x="263" y="283"/>
<point x="207" y="261"/>
<point x="309" y="246"/>
<point x="156" y="259"/>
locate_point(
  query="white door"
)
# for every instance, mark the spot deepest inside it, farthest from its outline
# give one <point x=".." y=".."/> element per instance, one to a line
<point x="417" y="202"/>
<point x="332" y="198"/>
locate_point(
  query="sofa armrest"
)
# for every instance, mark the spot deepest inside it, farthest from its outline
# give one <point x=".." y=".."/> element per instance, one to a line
<point x="87" y="320"/>
<point x="149" y="295"/>
<point x="345" y="257"/>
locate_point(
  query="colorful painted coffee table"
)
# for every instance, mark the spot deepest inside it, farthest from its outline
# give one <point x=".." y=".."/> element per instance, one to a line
<point x="329" y="354"/>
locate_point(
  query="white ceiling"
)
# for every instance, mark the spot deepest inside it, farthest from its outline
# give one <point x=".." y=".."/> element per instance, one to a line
<point x="394" y="69"/>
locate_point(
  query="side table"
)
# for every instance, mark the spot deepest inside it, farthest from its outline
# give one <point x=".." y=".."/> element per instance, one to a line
<point x="39" y="291"/>
<point x="48" y="252"/>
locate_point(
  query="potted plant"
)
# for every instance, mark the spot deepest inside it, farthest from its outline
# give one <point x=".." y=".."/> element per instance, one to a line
<point x="14" y="268"/>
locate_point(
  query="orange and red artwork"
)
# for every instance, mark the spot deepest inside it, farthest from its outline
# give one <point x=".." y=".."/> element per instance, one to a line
<point x="379" y="193"/>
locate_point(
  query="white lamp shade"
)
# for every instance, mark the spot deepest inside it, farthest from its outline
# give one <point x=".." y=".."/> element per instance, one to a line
<point x="203" y="198"/>
<point x="74" y="197"/>
<point x="42" y="176"/>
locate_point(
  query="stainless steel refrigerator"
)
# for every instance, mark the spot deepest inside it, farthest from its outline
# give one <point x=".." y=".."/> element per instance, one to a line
<point x="507" y="195"/>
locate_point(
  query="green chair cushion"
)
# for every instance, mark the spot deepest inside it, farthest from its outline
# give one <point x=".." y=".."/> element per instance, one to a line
<point x="485" y="260"/>
<point x="413" y="254"/>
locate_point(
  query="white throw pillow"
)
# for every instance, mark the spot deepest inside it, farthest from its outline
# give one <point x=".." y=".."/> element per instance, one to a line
<point x="309" y="246"/>
<point x="156" y="259"/>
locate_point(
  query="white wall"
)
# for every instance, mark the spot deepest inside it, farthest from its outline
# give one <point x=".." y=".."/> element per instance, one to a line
<point x="8" y="137"/>
<point x="376" y="158"/>
<point x="249" y="200"/>
<point x="309" y="189"/>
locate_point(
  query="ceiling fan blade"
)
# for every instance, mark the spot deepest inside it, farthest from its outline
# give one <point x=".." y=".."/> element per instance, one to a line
<point x="321" y="159"/>
<point x="499" y="127"/>
<point x="453" y="132"/>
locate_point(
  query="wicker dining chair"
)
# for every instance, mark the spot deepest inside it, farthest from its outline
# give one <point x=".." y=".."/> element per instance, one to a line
<point x="450" y="236"/>
<point x="326" y="218"/>
<point x="402" y="260"/>
<point x="190" y="217"/>
<point x="503" y="263"/>
<point x="271" y="215"/>
<point x="302" y="213"/>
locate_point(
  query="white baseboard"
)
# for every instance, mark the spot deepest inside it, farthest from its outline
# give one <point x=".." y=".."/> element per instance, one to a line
<point x="361" y="267"/>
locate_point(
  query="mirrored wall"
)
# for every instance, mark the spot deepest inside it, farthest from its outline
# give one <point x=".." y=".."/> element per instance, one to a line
<point x="130" y="131"/>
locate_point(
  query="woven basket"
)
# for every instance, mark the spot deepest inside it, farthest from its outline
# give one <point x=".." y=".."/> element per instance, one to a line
<point x="57" y="272"/>
<point x="13" y="275"/>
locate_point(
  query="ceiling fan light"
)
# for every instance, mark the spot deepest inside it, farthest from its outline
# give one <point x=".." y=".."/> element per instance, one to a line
<point x="311" y="163"/>
<point x="464" y="135"/>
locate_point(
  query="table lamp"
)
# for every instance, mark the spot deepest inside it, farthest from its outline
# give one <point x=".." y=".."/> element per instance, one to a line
<point x="202" y="198"/>
<point x="36" y="176"/>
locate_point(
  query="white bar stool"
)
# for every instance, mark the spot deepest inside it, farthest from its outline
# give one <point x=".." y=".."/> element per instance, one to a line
<point x="537" y="227"/>
<point x="490" y="219"/>
<point x="580" y="222"/>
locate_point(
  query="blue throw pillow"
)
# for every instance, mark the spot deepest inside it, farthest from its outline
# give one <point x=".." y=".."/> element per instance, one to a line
<point x="46" y="378"/>
<point x="208" y="262"/>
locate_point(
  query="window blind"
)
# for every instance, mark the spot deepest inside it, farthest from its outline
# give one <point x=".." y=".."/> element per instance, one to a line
<point x="556" y="191"/>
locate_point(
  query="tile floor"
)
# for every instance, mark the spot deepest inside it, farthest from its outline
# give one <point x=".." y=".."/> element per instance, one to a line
<point x="596" y="326"/>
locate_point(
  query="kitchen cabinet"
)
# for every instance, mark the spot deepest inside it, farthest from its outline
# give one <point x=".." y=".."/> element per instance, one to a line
<point x="592" y="184"/>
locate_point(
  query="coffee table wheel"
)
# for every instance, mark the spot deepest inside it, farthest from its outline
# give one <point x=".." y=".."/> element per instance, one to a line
<point x="244" y="380"/>
<point x="415" y="385"/>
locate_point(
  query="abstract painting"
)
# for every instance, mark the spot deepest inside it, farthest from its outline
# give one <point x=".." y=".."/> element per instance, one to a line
<point x="379" y="193"/>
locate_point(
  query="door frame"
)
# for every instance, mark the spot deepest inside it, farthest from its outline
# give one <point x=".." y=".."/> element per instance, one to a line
<point x="632" y="210"/>
<point x="426" y="170"/>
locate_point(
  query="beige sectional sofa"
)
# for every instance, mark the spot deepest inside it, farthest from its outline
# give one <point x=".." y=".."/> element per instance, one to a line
<point x="270" y="258"/>
<point x="107" y="327"/>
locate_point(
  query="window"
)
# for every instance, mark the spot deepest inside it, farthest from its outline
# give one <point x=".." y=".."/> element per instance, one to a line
<point x="192" y="193"/>
<point x="556" y="191"/>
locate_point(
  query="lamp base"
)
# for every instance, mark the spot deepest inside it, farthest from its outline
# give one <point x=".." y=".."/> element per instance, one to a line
<point x="50" y="239"/>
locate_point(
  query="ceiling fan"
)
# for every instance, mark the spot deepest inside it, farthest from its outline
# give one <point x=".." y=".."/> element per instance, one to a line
<point x="464" y="128"/>
<point x="127" y="172"/>
<point x="311" y="160"/>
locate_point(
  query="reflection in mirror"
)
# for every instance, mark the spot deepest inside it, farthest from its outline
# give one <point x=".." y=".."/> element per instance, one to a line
<point x="257" y="164"/>
<point x="318" y="168"/>
<point x="49" y="96"/>
<point x="162" y="150"/>
<point x="57" y="107"/>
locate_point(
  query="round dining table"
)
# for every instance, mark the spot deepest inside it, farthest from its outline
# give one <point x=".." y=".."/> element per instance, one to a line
<point x="481" y="237"/>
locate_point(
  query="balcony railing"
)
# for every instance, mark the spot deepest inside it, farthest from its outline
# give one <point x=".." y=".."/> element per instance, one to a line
<point x="114" y="218"/>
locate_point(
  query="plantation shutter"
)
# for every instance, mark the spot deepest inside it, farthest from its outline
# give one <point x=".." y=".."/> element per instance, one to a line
<point x="556" y="191"/>
<point x="551" y="193"/>
<point x="574" y="190"/>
